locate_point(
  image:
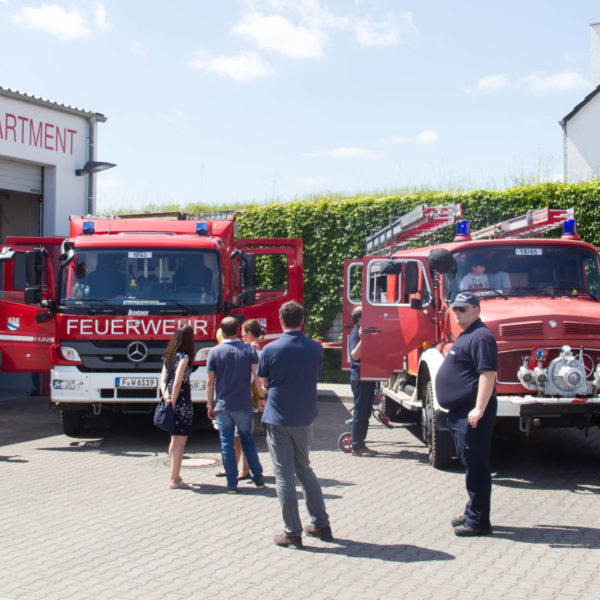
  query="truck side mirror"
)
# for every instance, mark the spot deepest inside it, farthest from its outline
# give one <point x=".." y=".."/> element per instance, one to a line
<point x="411" y="278"/>
<point x="442" y="261"/>
<point x="34" y="266"/>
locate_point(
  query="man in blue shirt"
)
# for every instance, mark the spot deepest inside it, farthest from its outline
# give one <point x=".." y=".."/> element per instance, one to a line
<point x="363" y="391"/>
<point x="229" y="368"/>
<point x="289" y="368"/>
<point x="465" y="386"/>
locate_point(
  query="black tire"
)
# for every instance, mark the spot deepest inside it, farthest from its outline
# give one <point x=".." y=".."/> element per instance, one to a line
<point x="439" y="443"/>
<point x="72" y="421"/>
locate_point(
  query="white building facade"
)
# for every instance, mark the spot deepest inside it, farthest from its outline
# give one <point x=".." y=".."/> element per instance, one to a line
<point x="44" y="146"/>
<point x="581" y="127"/>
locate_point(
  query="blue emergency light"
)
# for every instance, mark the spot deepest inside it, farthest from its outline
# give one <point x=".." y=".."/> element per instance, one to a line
<point x="570" y="229"/>
<point x="202" y="228"/>
<point x="88" y="228"/>
<point x="463" y="231"/>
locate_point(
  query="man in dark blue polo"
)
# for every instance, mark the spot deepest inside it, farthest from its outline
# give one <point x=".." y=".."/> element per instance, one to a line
<point x="465" y="386"/>
<point x="289" y="368"/>
<point x="363" y="391"/>
<point x="229" y="368"/>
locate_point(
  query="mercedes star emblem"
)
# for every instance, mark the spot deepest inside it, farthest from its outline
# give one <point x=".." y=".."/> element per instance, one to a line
<point x="137" y="351"/>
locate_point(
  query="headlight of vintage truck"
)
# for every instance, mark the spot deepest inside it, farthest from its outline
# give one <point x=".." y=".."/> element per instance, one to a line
<point x="597" y="376"/>
<point x="67" y="384"/>
<point x="202" y="355"/>
<point x="198" y="384"/>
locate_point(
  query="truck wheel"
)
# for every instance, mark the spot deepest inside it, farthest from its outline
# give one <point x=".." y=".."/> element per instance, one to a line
<point x="439" y="443"/>
<point x="72" y="421"/>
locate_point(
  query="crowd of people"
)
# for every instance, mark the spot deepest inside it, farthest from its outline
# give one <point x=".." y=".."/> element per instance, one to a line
<point x="281" y="383"/>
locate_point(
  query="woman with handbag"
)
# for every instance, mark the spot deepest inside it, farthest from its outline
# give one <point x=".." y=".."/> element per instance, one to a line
<point x="175" y="388"/>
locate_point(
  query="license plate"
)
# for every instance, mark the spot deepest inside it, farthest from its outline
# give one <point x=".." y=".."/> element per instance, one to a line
<point x="136" y="382"/>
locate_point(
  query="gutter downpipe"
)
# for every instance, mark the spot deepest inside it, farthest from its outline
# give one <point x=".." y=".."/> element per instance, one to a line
<point x="91" y="203"/>
<point x="563" y="124"/>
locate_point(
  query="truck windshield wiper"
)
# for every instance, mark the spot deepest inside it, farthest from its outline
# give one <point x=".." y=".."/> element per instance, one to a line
<point x="163" y="311"/>
<point x="569" y="289"/>
<point x="532" y="289"/>
<point x="83" y="302"/>
<point x="495" y="291"/>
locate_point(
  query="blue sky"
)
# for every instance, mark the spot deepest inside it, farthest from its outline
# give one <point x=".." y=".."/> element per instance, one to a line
<point x="223" y="101"/>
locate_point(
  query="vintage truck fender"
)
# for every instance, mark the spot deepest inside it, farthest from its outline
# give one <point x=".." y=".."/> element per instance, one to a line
<point x="429" y="365"/>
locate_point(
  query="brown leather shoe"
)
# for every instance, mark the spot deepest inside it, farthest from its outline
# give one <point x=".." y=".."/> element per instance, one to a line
<point x="364" y="452"/>
<point x="285" y="540"/>
<point x="324" y="533"/>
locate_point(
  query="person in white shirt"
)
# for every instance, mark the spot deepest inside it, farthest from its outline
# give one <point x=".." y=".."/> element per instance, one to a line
<point x="476" y="279"/>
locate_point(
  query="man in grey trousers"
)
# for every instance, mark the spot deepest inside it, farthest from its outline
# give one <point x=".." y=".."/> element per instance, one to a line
<point x="289" y="368"/>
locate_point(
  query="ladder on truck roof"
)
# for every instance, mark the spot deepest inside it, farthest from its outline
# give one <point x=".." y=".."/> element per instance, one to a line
<point x="533" y="222"/>
<point x="415" y="225"/>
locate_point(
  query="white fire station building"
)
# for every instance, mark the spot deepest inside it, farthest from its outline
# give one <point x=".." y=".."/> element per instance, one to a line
<point x="47" y="164"/>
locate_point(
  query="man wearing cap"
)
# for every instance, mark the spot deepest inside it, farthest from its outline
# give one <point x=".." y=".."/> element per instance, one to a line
<point x="465" y="387"/>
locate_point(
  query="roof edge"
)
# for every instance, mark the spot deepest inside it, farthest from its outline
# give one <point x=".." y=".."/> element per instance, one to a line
<point x="72" y="110"/>
<point x="593" y="93"/>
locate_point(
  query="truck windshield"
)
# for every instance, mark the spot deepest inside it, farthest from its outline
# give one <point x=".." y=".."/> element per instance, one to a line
<point x="130" y="277"/>
<point x="525" y="270"/>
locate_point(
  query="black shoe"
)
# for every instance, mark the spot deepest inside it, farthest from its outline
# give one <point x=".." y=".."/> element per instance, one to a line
<point x="324" y="533"/>
<point x="470" y="531"/>
<point x="260" y="483"/>
<point x="458" y="520"/>
<point x="285" y="540"/>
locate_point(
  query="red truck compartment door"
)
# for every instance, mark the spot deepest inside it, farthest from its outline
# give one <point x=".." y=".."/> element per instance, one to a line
<point x="352" y="298"/>
<point x="274" y="276"/>
<point x="392" y="328"/>
<point x="24" y="343"/>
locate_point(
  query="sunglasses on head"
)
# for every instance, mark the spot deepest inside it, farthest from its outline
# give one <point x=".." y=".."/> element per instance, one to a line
<point x="460" y="309"/>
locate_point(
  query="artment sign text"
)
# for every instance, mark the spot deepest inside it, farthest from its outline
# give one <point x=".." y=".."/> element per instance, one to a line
<point x="39" y="134"/>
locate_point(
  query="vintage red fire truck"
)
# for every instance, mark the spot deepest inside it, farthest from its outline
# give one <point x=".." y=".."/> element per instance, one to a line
<point x="539" y="296"/>
<point x="97" y="309"/>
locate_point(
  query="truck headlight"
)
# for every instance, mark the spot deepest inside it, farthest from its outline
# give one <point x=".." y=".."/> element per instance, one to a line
<point x="198" y="384"/>
<point x="67" y="384"/>
<point x="69" y="353"/>
<point x="202" y="355"/>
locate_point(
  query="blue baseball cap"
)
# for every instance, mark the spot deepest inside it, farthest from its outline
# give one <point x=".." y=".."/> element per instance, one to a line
<point x="465" y="299"/>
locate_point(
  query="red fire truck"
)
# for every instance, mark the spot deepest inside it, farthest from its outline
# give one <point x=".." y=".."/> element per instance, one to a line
<point x="97" y="309"/>
<point x="539" y="296"/>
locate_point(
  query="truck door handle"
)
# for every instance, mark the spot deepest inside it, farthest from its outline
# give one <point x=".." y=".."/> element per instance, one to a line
<point x="371" y="330"/>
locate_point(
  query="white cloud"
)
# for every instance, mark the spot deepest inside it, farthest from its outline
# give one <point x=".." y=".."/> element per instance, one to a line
<point x="493" y="83"/>
<point x="278" y="34"/>
<point x="428" y="136"/>
<point x="100" y="17"/>
<point x="172" y="117"/>
<point x="389" y="31"/>
<point x="244" y="67"/>
<point x="556" y="82"/>
<point x="345" y="152"/>
<point x="535" y="82"/>
<point x="63" y="24"/>
<point x="397" y="139"/>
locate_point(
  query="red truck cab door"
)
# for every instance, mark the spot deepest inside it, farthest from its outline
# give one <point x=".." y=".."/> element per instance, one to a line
<point x="353" y="269"/>
<point x="397" y="314"/>
<point x="267" y="273"/>
<point x="24" y="342"/>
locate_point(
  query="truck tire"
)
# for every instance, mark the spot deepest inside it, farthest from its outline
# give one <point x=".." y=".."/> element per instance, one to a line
<point x="72" y="421"/>
<point x="439" y="443"/>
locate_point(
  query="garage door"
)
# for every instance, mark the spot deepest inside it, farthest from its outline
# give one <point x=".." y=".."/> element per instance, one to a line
<point x="20" y="177"/>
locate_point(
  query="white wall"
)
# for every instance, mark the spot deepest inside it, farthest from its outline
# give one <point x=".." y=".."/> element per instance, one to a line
<point x="56" y="140"/>
<point x="595" y="44"/>
<point x="583" y="143"/>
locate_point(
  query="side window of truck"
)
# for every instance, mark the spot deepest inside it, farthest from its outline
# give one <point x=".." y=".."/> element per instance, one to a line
<point x="355" y="285"/>
<point x="397" y="283"/>
<point x="270" y="276"/>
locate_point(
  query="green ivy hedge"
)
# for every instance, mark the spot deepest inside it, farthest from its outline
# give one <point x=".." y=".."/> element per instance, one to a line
<point x="332" y="230"/>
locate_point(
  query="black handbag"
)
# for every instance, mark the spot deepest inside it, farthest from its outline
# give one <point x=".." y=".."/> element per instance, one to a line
<point x="164" y="416"/>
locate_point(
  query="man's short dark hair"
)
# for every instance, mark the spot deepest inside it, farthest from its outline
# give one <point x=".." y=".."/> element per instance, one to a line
<point x="356" y="314"/>
<point x="229" y="326"/>
<point x="292" y="314"/>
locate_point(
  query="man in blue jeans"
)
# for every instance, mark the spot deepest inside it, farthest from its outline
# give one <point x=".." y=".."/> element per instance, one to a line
<point x="230" y="367"/>
<point x="363" y="391"/>
<point x="289" y="368"/>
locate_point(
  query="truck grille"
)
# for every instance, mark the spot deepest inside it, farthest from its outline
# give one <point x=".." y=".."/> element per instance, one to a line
<point x="520" y="330"/>
<point x="575" y="328"/>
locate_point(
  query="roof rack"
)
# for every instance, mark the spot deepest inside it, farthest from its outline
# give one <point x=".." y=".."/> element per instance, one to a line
<point x="415" y="225"/>
<point x="533" y="222"/>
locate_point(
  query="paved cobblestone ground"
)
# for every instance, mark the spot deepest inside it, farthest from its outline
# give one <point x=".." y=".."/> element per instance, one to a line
<point x="92" y="517"/>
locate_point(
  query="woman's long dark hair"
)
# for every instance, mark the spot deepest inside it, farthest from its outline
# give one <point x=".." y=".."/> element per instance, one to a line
<point x="182" y="340"/>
